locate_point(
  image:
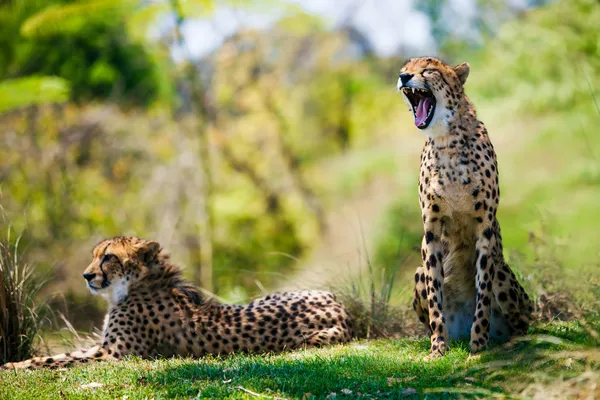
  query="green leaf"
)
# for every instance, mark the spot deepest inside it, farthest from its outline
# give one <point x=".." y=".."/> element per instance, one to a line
<point x="22" y="92"/>
<point x="103" y="73"/>
<point x="69" y="18"/>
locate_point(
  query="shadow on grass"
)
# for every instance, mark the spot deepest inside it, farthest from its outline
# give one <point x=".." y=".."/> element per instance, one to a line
<point x="391" y="369"/>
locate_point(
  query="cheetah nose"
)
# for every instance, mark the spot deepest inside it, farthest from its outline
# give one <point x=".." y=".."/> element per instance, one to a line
<point x="405" y="78"/>
<point x="89" y="277"/>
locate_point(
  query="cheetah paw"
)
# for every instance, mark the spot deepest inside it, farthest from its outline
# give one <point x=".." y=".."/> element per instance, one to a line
<point x="436" y="353"/>
<point x="477" y="346"/>
<point x="432" y="356"/>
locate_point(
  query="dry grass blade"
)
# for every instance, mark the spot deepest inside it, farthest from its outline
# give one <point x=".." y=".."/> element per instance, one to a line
<point x="254" y="394"/>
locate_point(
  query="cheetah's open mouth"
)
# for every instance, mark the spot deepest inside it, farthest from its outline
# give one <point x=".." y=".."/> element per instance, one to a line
<point x="422" y="102"/>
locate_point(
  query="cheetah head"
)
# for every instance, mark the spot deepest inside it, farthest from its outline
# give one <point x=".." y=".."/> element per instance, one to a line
<point x="118" y="263"/>
<point x="433" y="91"/>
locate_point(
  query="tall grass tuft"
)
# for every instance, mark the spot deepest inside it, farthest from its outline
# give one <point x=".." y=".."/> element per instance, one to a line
<point x="368" y="301"/>
<point x="21" y="317"/>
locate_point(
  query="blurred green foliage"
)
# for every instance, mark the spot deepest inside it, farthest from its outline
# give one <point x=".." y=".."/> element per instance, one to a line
<point x="548" y="61"/>
<point x="91" y="51"/>
<point x="399" y="242"/>
<point x="461" y="30"/>
<point x="32" y="90"/>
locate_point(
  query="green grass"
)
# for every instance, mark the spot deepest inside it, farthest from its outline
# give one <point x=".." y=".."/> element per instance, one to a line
<point x="553" y="355"/>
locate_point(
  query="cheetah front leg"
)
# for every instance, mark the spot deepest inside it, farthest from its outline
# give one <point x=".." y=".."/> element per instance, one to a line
<point x="116" y="344"/>
<point x="434" y="281"/>
<point x="420" y="297"/>
<point x="60" y="360"/>
<point x="485" y="275"/>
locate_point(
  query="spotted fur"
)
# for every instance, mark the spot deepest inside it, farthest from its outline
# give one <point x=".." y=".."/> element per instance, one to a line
<point x="464" y="287"/>
<point x="154" y="312"/>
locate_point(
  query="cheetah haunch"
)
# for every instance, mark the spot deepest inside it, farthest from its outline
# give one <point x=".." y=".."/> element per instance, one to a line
<point x="153" y="312"/>
<point x="464" y="286"/>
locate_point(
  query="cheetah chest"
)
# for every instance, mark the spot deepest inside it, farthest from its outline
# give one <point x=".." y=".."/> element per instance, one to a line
<point x="448" y="181"/>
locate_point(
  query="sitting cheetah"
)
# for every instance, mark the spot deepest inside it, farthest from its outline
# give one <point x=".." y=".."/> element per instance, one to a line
<point x="153" y="312"/>
<point x="464" y="287"/>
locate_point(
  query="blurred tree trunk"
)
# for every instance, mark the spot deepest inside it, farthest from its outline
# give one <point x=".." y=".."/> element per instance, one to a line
<point x="343" y="129"/>
<point x="199" y="97"/>
<point x="293" y="164"/>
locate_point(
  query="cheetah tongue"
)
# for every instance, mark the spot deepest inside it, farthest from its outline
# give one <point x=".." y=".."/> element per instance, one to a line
<point x="423" y="110"/>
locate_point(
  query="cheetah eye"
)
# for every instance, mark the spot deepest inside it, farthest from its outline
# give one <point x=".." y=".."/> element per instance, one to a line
<point x="108" y="257"/>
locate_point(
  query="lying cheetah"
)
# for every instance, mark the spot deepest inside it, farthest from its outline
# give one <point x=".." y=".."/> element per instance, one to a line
<point x="464" y="285"/>
<point x="153" y="312"/>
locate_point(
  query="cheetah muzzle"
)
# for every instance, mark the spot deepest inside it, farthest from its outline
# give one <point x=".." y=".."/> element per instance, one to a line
<point x="463" y="288"/>
<point x="154" y="312"/>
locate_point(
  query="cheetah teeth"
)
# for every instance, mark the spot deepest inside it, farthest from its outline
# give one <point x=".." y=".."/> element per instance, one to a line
<point x="413" y="89"/>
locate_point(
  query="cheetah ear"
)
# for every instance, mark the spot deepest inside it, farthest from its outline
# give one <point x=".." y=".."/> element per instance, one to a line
<point x="462" y="71"/>
<point x="148" y="250"/>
